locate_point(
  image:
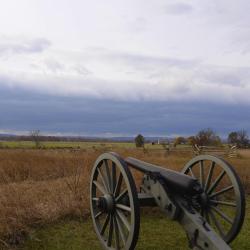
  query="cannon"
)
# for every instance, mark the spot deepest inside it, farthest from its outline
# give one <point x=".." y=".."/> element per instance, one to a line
<point x="206" y="198"/>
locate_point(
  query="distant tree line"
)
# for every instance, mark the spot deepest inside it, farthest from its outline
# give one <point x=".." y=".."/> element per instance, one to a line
<point x="42" y="138"/>
<point x="206" y="137"/>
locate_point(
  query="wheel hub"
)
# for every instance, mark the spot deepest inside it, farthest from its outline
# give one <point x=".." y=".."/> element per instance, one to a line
<point x="106" y="203"/>
<point x="204" y="200"/>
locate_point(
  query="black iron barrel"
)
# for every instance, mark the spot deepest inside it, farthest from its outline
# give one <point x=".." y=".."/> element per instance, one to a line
<point x="175" y="181"/>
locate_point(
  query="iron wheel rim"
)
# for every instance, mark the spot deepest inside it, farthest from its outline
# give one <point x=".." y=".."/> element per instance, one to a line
<point x="210" y="186"/>
<point x="124" y="231"/>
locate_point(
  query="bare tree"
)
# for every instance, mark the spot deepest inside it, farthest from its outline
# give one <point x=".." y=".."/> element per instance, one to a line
<point x="36" y="138"/>
<point x="239" y="138"/>
<point x="207" y="137"/>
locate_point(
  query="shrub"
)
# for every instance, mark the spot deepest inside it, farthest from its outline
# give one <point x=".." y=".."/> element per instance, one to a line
<point x="139" y="141"/>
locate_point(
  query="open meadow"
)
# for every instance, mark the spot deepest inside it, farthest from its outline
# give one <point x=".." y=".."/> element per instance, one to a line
<point x="44" y="196"/>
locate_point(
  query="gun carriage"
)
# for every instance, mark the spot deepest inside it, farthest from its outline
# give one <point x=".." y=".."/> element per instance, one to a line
<point x="206" y="198"/>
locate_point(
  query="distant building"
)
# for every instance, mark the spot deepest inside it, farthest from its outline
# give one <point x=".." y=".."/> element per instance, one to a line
<point x="162" y="141"/>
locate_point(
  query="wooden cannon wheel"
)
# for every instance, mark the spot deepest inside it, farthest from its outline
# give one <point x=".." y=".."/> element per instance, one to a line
<point x="114" y="203"/>
<point x="223" y="202"/>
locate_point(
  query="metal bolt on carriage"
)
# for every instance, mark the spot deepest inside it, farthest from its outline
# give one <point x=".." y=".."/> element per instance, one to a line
<point x="206" y="198"/>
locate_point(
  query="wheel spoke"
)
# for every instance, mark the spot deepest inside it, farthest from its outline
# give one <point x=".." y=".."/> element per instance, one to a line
<point x="221" y="191"/>
<point x="123" y="207"/>
<point x="217" y="224"/>
<point x="108" y="174"/>
<point x="98" y="214"/>
<point x="202" y="212"/>
<point x="100" y="187"/>
<point x="105" y="224"/>
<point x="118" y="185"/>
<point x="224" y="216"/>
<point x="202" y="173"/>
<point x="118" y="220"/>
<point x="117" y="240"/>
<point x="209" y="176"/>
<point x="121" y="195"/>
<point x="123" y="219"/>
<point x="216" y="182"/>
<point x="231" y="204"/>
<point x="113" y="177"/>
<point x="104" y="181"/>
<point x="111" y="229"/>
<point x="207" y="217"/>
<point x="191" y="172"/>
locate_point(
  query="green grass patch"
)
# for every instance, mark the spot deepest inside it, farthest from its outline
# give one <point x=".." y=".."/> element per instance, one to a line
<point x="72" y="144"/>
<point x="157" y="232"/>
<point x="65" y="144"/>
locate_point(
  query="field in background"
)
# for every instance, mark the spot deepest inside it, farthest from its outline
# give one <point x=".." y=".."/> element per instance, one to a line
<point x="42" y="187"/>
<point x="72" y="144"/>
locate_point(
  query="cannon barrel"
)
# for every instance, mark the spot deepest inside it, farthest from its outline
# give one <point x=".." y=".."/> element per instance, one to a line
<point x="175" y="181"/>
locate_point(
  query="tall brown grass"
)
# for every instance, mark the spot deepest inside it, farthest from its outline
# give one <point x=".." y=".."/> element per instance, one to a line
<point x="42" y="186"/>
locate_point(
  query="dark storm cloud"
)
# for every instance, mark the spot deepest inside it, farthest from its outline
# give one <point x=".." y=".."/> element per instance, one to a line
<point x="25" y="111"/>
<point x="15" y="46"/>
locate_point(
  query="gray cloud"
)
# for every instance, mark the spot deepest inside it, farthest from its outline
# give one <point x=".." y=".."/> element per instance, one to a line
<point x="17" y="46"/>
<point x="53" y="65"/>
<point x="240" y="39"/>
<point x="139" y="59"/>
<point x="82" y="70"/>
<point x="163" y="80"/>
<point x="25" y="110"/>
<point x="159" y="66"/>
<point x="178" y="8"/>
<point x="236" y="77"/>
<point x="134" y="76"/>
<point x="142" y="61"/>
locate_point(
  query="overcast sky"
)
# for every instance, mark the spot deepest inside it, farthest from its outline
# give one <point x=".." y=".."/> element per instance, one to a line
<point x="123" y="67"/>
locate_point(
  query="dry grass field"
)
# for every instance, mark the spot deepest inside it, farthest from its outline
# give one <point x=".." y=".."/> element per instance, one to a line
<point x="40" y="187"/>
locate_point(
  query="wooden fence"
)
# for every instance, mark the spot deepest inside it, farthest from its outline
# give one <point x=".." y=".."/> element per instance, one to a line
<point x="230" y="152"/>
